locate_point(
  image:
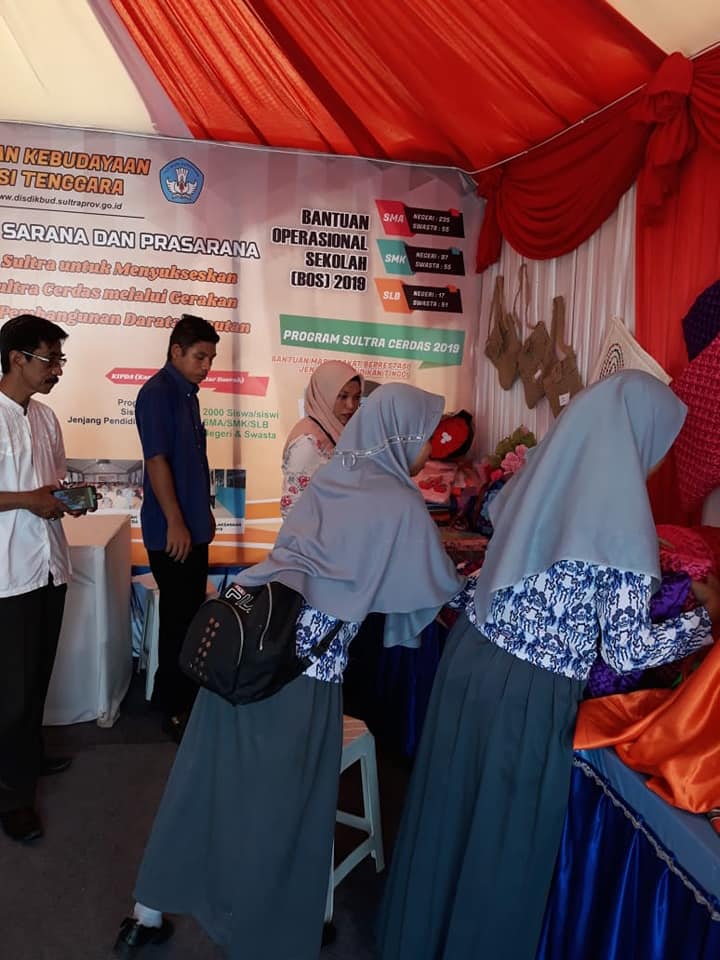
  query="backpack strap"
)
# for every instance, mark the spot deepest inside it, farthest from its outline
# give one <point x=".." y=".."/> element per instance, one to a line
<point x="318" y="424"/>
<point x="322" y="646"/>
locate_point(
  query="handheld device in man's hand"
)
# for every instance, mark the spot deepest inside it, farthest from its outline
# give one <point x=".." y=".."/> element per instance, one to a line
<point x="77" y="498"/>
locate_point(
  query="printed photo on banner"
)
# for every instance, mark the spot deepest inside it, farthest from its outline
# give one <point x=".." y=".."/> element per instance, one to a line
<point x="119" y="488"/>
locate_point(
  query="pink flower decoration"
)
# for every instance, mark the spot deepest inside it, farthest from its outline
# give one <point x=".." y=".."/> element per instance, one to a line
<point x="514" y="460"/>
<point x="496" y="475"/>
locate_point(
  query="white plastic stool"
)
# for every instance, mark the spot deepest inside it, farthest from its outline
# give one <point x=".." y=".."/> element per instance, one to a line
<point x="150" y="637"/>
<point x="358" y="744"/>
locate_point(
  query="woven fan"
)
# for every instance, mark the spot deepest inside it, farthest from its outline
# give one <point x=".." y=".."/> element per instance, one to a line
<point x="621" y="351"/>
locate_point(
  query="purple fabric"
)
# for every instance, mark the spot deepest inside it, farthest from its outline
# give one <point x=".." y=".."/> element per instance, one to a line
<point x="604" y="681"/>
<point x="702" y="323"/>
<point x="670" y="599"/>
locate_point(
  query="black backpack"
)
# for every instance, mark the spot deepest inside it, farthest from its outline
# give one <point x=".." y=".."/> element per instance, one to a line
<point x="242" y="645"/>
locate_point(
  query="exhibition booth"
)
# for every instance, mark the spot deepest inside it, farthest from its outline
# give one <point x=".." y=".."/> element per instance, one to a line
<point x="504" y="232"/>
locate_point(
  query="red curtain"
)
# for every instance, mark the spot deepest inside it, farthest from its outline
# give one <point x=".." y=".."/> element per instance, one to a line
<point x="550" y="201"/>
<point x="455" y="82"/>
<point x="466" y="83"/>
<point x="678" y="255"/>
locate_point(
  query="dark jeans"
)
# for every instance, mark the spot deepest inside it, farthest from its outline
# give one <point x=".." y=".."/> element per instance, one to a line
<point x="28" y="642"/>
<point x="182" y="589"/>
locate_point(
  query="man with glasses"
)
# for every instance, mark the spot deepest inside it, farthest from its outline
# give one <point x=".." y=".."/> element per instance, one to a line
<point x="36" y="562"/>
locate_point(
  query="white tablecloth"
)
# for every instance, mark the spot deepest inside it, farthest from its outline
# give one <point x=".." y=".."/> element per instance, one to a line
<point x="94" y="660"/>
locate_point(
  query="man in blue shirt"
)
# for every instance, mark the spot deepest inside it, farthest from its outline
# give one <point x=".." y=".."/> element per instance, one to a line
<point x="176" y="516"/>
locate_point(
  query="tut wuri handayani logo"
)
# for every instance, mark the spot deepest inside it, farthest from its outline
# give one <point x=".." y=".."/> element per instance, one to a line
<point x="181" y="181"/>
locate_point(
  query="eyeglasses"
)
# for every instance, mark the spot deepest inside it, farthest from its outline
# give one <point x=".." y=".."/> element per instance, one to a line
<point x="52" y="361"/>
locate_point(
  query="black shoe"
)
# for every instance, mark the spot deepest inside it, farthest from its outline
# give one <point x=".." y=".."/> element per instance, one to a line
<point x="134" y="936"/>
<point x="52" y="765"/>
<point x="22" y="825"/>
<point x="329" y="934"/>
<point x="174" y="726"/>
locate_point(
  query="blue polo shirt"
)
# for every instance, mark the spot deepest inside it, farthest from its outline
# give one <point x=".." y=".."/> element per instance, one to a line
<point x="167" y="414"/>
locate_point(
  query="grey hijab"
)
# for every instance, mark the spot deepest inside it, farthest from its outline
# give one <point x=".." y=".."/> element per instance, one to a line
<point x="582" y="494"/>
<point x="360" y="538"/>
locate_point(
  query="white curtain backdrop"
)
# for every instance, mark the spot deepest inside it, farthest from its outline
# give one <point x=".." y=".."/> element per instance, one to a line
<point x="58" y="66"/>
<point x="597" y="281"/>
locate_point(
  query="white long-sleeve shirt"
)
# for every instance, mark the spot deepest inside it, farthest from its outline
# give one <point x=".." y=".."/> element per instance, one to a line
<point x="32" y="455"/>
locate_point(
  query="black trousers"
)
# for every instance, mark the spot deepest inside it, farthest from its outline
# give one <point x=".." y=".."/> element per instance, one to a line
<point x="29" y="631"/>
<point x="182" y="589"/>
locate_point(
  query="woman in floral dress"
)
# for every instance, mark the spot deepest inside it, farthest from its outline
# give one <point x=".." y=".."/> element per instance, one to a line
<point x="332" y="397"/>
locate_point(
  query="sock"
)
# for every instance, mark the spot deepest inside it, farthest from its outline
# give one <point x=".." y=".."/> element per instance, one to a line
<point x="147" y="916"/>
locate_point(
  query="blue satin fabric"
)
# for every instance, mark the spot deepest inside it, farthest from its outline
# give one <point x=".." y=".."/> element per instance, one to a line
<point x="613" y="897"/>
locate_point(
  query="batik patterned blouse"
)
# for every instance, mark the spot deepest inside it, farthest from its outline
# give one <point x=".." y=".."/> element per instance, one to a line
<point x="553" y="619"/>
<point x="311" y="627"/>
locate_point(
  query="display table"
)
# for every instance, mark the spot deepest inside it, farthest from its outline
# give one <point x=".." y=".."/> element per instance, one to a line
<point x="635" y="877"/>
<point x="94" y="659"/>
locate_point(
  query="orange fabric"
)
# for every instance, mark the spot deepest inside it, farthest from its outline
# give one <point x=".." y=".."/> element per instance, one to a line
<point x="672" y="735"/>
<point x="460" y="82"/>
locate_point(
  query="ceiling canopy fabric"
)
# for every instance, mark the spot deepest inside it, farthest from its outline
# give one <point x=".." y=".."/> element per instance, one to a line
<point x="462" y="83"/>
<point x="522" y="95"/>
<point x="555" y="108"/>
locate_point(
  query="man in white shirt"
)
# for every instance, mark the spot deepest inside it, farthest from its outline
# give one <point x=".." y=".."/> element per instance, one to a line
<point x="36" y="562"/>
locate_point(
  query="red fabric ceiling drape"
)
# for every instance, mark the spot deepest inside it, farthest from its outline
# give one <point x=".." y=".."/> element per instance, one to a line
<point x="551" y="200"/>
<point x="455" y="82"/>
<point x="458" y="82"/>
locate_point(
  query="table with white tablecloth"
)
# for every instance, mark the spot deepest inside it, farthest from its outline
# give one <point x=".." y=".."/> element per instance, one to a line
<point x="93" y="666"/>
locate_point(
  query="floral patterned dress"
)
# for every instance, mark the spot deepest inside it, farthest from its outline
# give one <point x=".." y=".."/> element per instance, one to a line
<point x="301" y="459"/>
